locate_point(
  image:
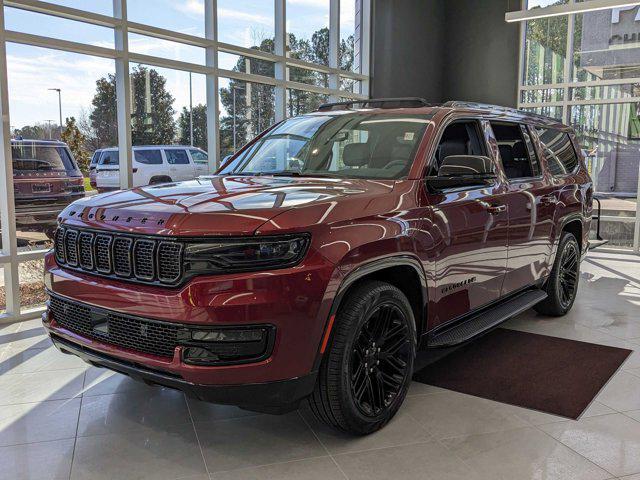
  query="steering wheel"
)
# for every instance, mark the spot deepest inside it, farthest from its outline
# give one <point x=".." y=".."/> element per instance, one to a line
<point x="395" y="163"/>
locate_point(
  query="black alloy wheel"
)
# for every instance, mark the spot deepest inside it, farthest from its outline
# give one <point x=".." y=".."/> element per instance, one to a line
<point x="380" y="359"/>
<point x="568" y="274"/>
<point x="366" y="370"/>
<point x="562" y="284"/>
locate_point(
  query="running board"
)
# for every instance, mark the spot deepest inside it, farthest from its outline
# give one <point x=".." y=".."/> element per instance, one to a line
<point x="486" y="320"/>
<point x="593" y="244"/>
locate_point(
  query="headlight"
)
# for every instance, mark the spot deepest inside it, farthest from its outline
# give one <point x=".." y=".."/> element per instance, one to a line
<point x="245" y="254"/>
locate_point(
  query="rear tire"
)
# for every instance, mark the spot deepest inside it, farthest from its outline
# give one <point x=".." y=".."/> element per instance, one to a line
<point x="365" y="374"/>
<point x="161" y="179"/>
<point x="562" y="284"/>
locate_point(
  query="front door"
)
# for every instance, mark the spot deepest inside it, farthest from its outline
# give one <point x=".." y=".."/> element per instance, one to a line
<point x="470" y="227"/>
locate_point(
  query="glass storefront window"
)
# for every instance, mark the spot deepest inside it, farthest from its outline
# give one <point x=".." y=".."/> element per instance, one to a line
<point x="545" y="50"/>
<point x="542" y="95"/>
<point x="308" y="30"/>
<point x="603" y="108"/>
<point x="300" y="101"/>
<point x="610" y="138"/>
<point x="606" y="45"/>
<point x="606" y="92"/>
<point x="547" y="111"/>
<point x="246" y="109"/>
<point x="248" y="24"/>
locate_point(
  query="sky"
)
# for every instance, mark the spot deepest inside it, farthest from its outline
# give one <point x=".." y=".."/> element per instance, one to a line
<point x="33" y="70"/>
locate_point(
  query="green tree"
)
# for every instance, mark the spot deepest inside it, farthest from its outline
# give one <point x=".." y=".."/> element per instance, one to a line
<point x="253" y="116"/>
<point x="199" y="126"/>
<point x="152" y="109"/>
<point x="152" y="118"/>
<point x="38" y="131"/>
<point x="73" y="137"/>
<point x="103" y="119"/>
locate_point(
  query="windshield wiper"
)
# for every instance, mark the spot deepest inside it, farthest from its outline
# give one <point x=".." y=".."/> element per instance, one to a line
<point x="295" y="173"/>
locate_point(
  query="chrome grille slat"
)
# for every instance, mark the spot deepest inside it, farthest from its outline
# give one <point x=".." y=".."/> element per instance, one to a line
<point x="59" y="245"/>
<point x="71" y="247"/>
<point x="124" y="256"/>
<point x="144" y="259"/>
<point x="103" y="253"/>
<point x="86" y="250"/>
<point x="169" y="261"/>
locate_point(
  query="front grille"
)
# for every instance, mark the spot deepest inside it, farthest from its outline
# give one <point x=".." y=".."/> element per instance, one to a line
<point x="137" y="334"/>
<point x="123" y="256"/>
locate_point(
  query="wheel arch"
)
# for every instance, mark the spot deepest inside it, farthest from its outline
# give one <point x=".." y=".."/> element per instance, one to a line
<point x="403" y="271"/>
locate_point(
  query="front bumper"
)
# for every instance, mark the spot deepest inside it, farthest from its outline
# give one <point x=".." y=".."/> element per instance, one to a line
<point x="270" y="397"/>
<point x="296" y="301"/>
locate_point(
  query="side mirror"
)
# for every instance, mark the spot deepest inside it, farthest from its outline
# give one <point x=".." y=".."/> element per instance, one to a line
<point x="463" y="171"/>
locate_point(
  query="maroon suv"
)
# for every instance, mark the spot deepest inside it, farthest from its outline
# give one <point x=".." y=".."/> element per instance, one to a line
<point x="324" y="254"/>
<point x="46" y="179"/>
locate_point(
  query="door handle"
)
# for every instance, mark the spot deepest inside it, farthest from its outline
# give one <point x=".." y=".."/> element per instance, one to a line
<point x="548" y="199"/>
<point x="496" y="209"/>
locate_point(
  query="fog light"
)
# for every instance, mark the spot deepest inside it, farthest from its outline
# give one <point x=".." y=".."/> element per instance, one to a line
<point x="226" y="345"/>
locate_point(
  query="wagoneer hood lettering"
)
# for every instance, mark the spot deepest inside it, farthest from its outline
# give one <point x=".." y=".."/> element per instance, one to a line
<point x="219" y="205"/>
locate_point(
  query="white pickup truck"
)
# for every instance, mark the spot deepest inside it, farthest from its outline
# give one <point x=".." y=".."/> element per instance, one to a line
<point x="152" y="164"/>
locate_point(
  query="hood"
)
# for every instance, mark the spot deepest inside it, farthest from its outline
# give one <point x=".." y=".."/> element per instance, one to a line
<point x="217" y="205"/>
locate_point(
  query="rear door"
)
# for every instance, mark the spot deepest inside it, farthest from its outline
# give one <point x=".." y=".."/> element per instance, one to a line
<point x="470" y="231"/>
<point x="531" y="202"/>
<point x="180" y="167"/>
<point x="147" y="164"/>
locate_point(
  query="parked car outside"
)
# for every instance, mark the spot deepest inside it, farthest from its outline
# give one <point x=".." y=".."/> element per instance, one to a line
<point x="324" y="254"/>
<point x="152" y="165"/>
<point x="46" y="179"/>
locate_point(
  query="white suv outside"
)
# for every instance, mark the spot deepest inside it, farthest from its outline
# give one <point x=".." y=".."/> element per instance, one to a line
<point x="152" y="164"/>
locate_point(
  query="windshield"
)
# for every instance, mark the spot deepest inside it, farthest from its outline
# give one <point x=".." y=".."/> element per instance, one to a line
<point x="31" y="157"/>
<point x="354" y="145"/>
<point x="109" y="157"/>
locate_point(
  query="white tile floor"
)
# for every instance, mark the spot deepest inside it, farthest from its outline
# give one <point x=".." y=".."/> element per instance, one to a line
<point x="60" y="419"/>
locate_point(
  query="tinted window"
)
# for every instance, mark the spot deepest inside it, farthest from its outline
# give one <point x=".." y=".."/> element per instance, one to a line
<point x="177" y="157"/>
<point x="111" y="157"/>
<point x="459" y="138"/>
<point x="352" y="145"/>
<point x="558" y="150"/>
<point x="518" y="160"/>
<point x="30" y="157"/>
<point x="94" y="158"/>
<point x="148" y="157"/>
<point x="199" y="156"/>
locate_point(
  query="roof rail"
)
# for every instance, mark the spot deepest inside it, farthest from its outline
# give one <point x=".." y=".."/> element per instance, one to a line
<point x="400" y="102"/>
<point x="496" y="108"/>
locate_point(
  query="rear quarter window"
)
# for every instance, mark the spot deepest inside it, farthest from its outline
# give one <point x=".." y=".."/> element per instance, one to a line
<point x="148" y="157"/>
<point x="177" y="157"/>
<point x="558" y="150"/>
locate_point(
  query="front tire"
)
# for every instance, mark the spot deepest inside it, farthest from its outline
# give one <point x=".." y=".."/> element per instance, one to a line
<point x="365" y="374"/>
<point x="562" y="285"/>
